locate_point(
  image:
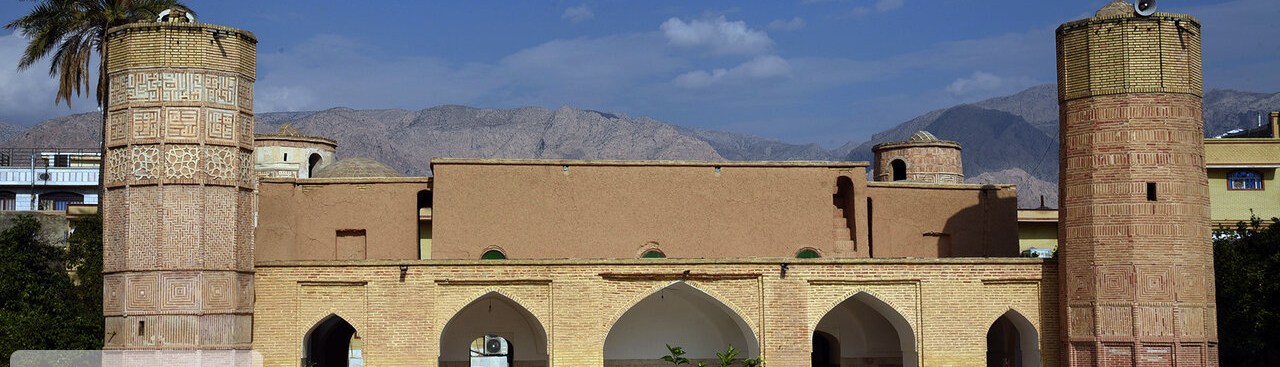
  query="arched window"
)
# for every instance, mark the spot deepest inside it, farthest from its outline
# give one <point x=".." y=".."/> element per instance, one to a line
<point x="332" y="343"/>
<point x="653" y="254"/>
<point x="1244" y="179"/>
<point x="493" y="255"/>
<point x="808" y="254"/>
<point x="899" y="169"/>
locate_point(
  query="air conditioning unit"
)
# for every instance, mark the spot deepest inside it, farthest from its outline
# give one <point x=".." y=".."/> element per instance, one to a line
<point x="495" y="345"/>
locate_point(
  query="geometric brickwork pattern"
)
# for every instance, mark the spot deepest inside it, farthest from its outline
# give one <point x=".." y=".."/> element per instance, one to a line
<point x="1134" y="252"/>
<point x="178" y="269"/>
<point x="937" y="161"/>
<point x="948" y="304"/>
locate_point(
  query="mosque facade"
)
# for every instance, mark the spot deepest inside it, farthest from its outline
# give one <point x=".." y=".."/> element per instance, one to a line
<point x="228" y="248"/>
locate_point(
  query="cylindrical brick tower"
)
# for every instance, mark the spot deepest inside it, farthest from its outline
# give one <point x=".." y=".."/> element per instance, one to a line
<point x="922" y="158"/>
<point x="1135" y="255"/>
<point x="179" y="204"/>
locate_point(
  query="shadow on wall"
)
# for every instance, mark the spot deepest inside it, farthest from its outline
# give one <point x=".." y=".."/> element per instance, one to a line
<point x="944" y="222"/>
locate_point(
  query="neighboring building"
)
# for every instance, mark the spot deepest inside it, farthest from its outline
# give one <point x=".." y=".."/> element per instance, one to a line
<point x="48" y="179"/>
<point x="290" y="154"/>
<point x="601" y="263"/>
<point x="1242" y="174"/>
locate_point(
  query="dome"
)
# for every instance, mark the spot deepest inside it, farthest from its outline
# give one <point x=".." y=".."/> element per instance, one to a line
<point x="356" y="167"/>
<point x="1115" y="8"/>
<point x="921" y="136"/>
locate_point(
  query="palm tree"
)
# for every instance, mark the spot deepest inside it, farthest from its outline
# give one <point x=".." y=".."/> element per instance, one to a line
<point x="71" y="32"/>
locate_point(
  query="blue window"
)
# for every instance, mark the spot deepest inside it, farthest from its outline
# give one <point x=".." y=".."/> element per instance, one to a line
<point x="1244" y="180"/>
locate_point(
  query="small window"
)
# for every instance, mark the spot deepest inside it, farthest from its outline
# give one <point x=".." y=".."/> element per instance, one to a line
<point x="653" y="254"/>
<point x="493" y="255"/>
<point x="899" y="169"/>
<point x="286" y="157"/>
<point x="808" y="254"/>
<point x="1151" y="191"/>
<point x="1244" y="180"/>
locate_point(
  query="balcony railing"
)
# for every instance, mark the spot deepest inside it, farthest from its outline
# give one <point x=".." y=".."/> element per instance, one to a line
<point x="54" y="157"/>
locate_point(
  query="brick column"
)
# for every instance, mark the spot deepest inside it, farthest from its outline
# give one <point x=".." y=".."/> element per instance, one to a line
<point x="1135" y="254"/>
<point x="179" y="204"/>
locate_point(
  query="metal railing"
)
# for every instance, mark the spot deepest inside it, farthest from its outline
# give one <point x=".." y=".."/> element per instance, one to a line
<point x="52" y="157"/>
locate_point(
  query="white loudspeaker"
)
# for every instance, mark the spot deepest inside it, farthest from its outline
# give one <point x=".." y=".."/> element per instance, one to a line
<point x="1145" y="7"/>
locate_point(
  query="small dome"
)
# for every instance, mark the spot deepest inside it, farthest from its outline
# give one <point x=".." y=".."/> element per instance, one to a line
<point x="289" y="130"/>
<point x="1115" y="8"/>
<point x="356" y="167"/>
<point x="922" y="135"/>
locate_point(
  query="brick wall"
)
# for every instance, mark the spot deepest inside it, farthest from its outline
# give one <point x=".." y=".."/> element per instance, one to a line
<point x="1137" y="263"/>
<point x="179" y="204"/>
<point x="949" y="304"/>
<point x="925" y="162"/>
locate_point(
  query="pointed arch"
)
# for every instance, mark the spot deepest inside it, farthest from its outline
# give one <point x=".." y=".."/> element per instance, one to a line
<point x="678" y="313"/>
<point x="328" y="342"/>
<point x="1013" y="336"/>
<point x="865" y="326"/>
<point x="493" y="313"/>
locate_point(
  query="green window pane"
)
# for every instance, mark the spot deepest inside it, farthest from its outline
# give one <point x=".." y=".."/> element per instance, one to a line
<point x="653" y="255"/>
<point x="807" y="254"/>
<point x="493" y="255"/>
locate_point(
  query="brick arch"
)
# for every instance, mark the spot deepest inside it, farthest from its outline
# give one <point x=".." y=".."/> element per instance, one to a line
<point x="453" y="312"/>
<point x="890" y="311"/>
<point x="736" y="311"/>
<point x="315" y="322"/>
<point x="1028" y="333"/>
<point x="541" y="336"/>
<point x="713" y="294"/>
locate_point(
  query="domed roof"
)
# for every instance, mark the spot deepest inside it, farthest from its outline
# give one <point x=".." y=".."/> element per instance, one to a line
<point x="356" y="167"/>
<point x="1115" y="8"/>
<point x="921" y="136"/>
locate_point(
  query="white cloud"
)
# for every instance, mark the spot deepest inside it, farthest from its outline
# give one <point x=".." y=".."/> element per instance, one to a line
<point x="881" y="6"/>
<point x="787" y="25"/>
<point x="717" y="35"/>
<point x="27" y="97"/>
<point x="578" y="14"/>
<point x="982" y="83"/>
<point x="760" y="68"/>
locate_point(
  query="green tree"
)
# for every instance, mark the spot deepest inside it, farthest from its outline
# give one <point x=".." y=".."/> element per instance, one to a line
<point x="40" y="307"/>
<point x="1246" y="263"/>
<point x="72" y="32"/>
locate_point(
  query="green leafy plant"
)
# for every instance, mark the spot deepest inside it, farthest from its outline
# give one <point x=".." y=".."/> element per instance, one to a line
<point x="727" y="358"/>
<point x="753" y="362"/>
<point x="675" y="358"/>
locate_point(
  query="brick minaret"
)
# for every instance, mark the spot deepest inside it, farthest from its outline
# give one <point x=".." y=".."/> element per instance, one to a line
<point x="179" y="206"/>
<point x="1135" y="256"/>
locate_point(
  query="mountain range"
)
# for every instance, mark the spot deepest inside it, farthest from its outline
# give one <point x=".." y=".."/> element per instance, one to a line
<point x="1008" y="139"/>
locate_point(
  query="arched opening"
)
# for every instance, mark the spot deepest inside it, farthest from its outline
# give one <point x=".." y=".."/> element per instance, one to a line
<point x="1012" y="341"/>
<point x="808" y="254"/>
<point x="842" y="200"/>
<point x="679" y="315"/>
<point x="493" y="331"/>
<point x="865" y="331"/>
<point x="826" y="350"/>
<point x="332" y="343"/>
<point x="424" y="224"/>
<point x="493" y="255"/>
<point x="59" y="200"/>
<point x="899" y="168"/>
<point x="312" y="162"/>
<point x="653" y="254"/>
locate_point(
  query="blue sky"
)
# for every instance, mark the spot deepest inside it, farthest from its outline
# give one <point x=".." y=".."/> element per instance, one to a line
<point x="820" y="71"/>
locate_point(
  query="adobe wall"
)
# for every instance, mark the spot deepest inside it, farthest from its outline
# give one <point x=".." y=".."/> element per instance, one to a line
<point x="932" y="220"/>
<point x="300" y="219"/>
<point x="585" y="209"/>
<point x="949" y="304"/>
